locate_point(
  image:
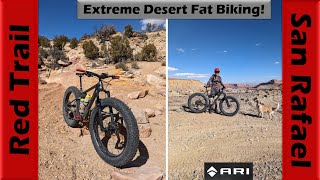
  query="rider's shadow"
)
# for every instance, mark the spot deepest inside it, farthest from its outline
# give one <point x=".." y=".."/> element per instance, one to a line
<point x="141" y="159"/>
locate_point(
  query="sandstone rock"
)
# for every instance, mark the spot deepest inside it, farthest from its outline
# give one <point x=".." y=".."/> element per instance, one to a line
<point x="143" y="173"/>
<point x="138" y="94"/>
<point x="41" y="81"/>
<point x="144" y="130"/>
<point x="155" y="80"/>
<point x="134" y="95"/>
<point x="140" y="116"/>
<point x="150" y="112"/>
<point x="143" y="93"/>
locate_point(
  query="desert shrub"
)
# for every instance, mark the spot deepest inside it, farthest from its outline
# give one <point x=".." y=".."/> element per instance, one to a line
<point x="149" y="53"/>
<point x="57" y="54"/>
<point x="122" y="66"/>
<point x="120" y="49"/>
<point x="134" y="65"/>
<point x="104" y="32"/>
<point x="43" y="53"/>
<point x="43" y="41"/>
<point x="163" y="63"/>
<point x="150" y="27"/>
<point x="84" y="37"/>
<point x="128" y="31"/>
<point x="154" y="27"/>
<point x="91" y="51"/>
<point x="60" y="41"/>
<point x="74" y="43"/>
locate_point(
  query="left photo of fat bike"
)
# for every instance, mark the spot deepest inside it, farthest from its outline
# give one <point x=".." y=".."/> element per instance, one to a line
<point x="102" y="92"/>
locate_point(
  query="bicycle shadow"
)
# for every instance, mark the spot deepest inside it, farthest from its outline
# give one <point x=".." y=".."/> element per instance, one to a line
<point x="249" y="114"/>
<point x="141" y="159"/>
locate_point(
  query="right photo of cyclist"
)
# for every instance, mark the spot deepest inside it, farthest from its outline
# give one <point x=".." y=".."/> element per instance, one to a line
<point x="225" y="96"/>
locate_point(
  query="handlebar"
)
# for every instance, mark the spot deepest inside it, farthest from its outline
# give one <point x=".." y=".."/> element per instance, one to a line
<point x="100" y="76"/>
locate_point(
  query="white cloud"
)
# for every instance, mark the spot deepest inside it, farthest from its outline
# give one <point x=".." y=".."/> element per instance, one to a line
<point x="180" y="50"/>
<point x="172" y="69"/>
<point x="258" y="44"/>
<point x="193" y="49"/>
<point x="277" y="62"/>
<point x="224" y="51"/>
<point x="192" y="75"/>
<point x="157" y="22"/>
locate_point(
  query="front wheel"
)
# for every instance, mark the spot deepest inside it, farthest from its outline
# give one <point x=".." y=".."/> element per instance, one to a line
<point x="70" y="106"/>
<point x="114" y="132"/>
<point x="229" y="106"/>
<point x="198" y="103"/>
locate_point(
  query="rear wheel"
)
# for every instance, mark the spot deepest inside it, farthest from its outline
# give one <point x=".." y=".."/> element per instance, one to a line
<point x="229" y="106"/>
<point x="71" y="105"/>
<point x="117" y="144"/>
<point x="198" y="103"/>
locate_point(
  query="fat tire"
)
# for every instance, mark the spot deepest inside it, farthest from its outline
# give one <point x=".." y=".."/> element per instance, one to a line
<point x="132" y="133"/>
<point x="226" y="113"/>
<point x="72" y="89"/>
<point x="192" y="108"/>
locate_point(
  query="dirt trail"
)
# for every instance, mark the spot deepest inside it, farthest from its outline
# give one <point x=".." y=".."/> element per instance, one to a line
<point x="65" y="155"/>
<point x="198" y="138"/>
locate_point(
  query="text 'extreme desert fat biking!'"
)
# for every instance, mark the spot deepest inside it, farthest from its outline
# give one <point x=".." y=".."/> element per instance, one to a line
<point x="113" y="127"/>
<point x="201" y="102"/>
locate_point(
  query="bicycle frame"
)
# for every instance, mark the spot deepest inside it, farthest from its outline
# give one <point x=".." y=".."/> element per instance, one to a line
<point x="95" y="97"/>
<point x="208" y="92"/>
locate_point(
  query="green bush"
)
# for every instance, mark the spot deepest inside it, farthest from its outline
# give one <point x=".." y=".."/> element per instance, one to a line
<point x="43" y="41"/>
<point x="151" y="27"/>
<point x="43" y="53"/>
<point x="91" y="51"/>
<point x="122" y="66"/>
<point x="149" y="53"/>
<point x="134" y="65"/>
<point x="104" y="32"/>
<point x="60" y="41"/>
<point x="120" y="50"/>
<point x="104" y="51"/>
<point x="74" y="43"/>
<point x="128" y="31"/>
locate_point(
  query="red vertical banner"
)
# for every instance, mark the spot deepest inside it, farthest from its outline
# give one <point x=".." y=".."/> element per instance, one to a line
<point x="19" y="89"/>
<point x="300" y="38"/>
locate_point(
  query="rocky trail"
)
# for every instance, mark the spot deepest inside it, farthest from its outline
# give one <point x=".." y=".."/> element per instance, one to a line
<point x="245" y="137"/>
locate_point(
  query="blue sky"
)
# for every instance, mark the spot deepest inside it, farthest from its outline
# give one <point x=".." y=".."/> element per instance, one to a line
<point x="246" y="51"/>
<point x="58" y="17"/>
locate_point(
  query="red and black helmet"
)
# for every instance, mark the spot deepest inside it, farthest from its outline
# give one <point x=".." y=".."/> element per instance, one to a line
<point x="216" y="70"/>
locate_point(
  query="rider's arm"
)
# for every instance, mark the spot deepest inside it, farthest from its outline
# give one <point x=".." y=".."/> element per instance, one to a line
<point x="210" y="81"/>
<point x="222" y="83"/>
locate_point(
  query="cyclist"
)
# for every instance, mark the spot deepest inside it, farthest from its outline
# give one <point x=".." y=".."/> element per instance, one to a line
<point x="215" y="82"/>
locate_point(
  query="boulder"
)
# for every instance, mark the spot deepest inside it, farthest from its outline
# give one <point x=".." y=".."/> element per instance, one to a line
<point x="143" y="93"/>
<point x="155" y="80"/>
<point x="134" y="95"/>
<point x="138" y="94"/>
<point x="143" y="173"/>
<point x="140" y="115"/>
<point x="144" y="130"/>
